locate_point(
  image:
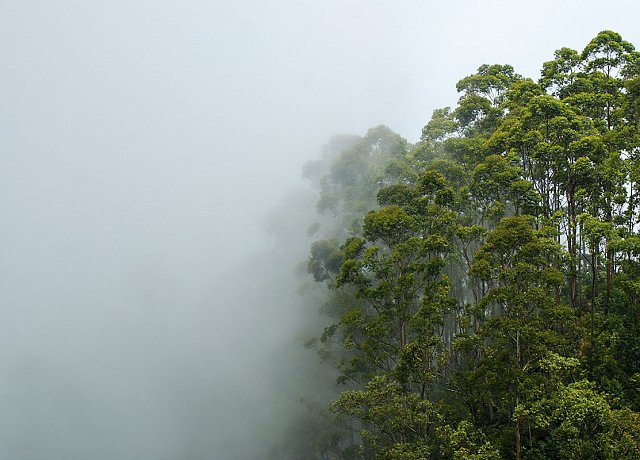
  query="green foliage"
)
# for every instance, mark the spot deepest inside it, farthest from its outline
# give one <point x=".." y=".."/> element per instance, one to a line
<point x="577" y="422"/>
<point x="399" y="423"/>
<point x="484" y="285"/>
<point x="325" y="260"/>
<point x="441" y="125"/>
<point x="464" y="442"/>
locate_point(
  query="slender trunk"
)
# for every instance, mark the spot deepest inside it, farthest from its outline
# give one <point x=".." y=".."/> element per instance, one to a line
<point x="518" y="440"/>
<point x="610" y="269"/>
<point x="489" y="404"/>
<point x="609" y="252"/>
<point x="594" y="279"/>
<point x="571" y="243"/>
<point x="582" y="254"/>
<point x="630" y="228"/>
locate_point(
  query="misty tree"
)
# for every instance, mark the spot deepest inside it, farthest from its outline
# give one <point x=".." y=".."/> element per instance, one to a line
<point x="483" y="284"/>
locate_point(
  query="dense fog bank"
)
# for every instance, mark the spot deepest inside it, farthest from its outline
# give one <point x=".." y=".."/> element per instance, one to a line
<point x="108" y="354"/>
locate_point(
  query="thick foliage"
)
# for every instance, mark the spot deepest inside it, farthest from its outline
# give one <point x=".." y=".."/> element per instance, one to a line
<point x="484" y="285"/>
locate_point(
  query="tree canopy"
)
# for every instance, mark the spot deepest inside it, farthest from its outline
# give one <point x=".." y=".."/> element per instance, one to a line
<point x="483" y="285"/>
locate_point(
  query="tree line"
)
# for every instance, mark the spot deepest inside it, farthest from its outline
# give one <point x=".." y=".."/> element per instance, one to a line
<point x="482" y="286"/>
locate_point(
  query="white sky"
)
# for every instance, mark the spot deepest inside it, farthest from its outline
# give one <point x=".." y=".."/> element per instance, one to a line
<point x="182" y="102"/>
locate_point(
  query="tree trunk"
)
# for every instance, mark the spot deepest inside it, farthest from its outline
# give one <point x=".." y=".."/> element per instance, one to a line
<point x="518" y="440"/>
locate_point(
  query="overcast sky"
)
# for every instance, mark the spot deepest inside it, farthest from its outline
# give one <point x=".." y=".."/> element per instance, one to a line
<point x="169" y="106"/>
<point x="142" y="143"/>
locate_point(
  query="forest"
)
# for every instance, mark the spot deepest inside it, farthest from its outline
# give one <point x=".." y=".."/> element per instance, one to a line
<point x="481" y="288"/>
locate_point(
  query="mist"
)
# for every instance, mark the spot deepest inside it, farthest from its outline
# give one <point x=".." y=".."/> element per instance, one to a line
<point x="154" y="210"/>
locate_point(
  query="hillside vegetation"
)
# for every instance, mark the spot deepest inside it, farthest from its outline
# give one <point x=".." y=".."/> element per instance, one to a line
<point x="483" y="285"/>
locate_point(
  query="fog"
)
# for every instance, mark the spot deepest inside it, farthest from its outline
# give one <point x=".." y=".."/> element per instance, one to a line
<point x="153" y="207"/>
